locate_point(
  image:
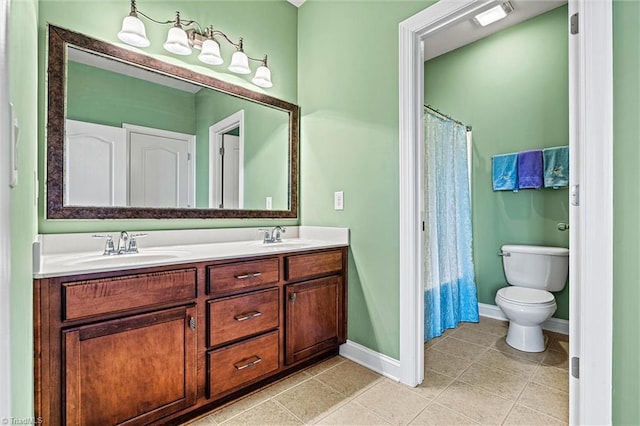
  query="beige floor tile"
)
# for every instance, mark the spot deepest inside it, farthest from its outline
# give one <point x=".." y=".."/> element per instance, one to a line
<point x="502" y="383"/>
<point x="475" y="336"/>
<point x="475" y="403"/>
<point x="392" y="401"/>
<point x="231" y="410"/>
<point x="557" y="378"/>
<point x="556" y="359"/>
<point x="559" y="345"/>
<point x="352" y="413"/>
<point x="524" y="416"/>
<point x="502" y="346"/>
<point x="267" y="413"/>
<point x="459" y="348"/>
<point x="348" y="378"/>
<point x="203" y="421"/>
<point x="432" y="342"/>
<point x="286" y="384"/>
<point x="488" y="325"/>
<point x="509" y="363"/>
<point x="310" y="399"/>
<point x="436" y="414"/>
<point x="546" y="400"/>
<point x="324" y="365"/>
<point x="445" y="363"/>
<point x="434" y="383"/>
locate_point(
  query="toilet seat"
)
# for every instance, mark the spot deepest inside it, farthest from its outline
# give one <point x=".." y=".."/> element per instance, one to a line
<point x="525" y="296"/>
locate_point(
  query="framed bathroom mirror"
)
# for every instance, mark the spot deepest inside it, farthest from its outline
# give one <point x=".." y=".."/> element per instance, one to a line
<point x="130" y="136"/>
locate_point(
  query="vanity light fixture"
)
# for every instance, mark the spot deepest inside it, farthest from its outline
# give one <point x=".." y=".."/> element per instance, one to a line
<point x="494" y="14"/>
<point x="180" y="41"/>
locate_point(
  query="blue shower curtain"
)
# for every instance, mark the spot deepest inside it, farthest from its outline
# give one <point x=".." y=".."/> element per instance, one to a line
<point x="450" y="289"/>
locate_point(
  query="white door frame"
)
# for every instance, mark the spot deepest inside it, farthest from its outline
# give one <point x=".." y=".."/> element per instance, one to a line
<point x="5" y="228"/>
<point x="191" y="141"/>
<point x="215" y="162"/>
<point x="591" y="245"/>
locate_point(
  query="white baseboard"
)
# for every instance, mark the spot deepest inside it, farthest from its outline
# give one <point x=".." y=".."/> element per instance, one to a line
<point x="556" y="325"/>
<point x="371" y="359"/>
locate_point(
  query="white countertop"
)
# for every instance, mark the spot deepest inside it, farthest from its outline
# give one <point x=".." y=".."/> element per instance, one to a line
<point x="72" y="254"/>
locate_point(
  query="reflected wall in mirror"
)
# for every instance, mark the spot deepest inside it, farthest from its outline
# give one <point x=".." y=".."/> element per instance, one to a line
<point x="130" y="136"/>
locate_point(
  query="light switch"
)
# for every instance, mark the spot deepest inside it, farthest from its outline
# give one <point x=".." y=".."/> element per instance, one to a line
<point x="338" y="200"/>
<point x="269" y="203"/>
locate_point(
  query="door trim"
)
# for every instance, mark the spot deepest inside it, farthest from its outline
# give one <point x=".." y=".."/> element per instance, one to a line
<point x="215" y="163"/>
<point x="591" y="257"/>
<point x="5" y="210"/>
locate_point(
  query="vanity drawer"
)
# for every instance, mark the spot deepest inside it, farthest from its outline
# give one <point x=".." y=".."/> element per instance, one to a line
<point x="309" y="265"/>
<point x="242" y="275"/>
<point x="234" y="365"/>
<point x="233" y="318"/>
<point x="81" y="299"/>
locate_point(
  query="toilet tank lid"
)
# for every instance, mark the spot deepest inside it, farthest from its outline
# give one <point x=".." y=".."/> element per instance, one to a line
<point x="550" y="251"/>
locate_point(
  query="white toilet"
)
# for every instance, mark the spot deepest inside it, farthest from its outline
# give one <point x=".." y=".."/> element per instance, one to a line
<point x="531" y="272"/>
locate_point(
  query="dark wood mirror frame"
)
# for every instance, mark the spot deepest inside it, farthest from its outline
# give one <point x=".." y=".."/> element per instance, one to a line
<point x="59" y="38"/>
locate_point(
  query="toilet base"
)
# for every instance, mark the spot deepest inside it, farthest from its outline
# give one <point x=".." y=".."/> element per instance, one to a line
<point x="525" y="338"/>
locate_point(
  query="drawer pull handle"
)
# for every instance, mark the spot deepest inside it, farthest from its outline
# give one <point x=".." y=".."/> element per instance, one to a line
<point x="247" y="316"/>
<point x="245" y="276"/>
<point x="244" y="364"/>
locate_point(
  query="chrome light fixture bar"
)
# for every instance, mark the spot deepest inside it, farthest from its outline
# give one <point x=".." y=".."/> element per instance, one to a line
<point x="180" y="42"/>
<point x="494" y="14"/>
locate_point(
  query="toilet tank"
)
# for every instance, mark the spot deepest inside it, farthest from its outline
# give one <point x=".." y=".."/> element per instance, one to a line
<point x="540" y="267"/>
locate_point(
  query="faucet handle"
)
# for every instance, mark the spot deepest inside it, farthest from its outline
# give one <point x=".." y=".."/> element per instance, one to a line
<point x="266" y="233"/>
<point x="133" y="244"/>
<point x="109" y="249"/>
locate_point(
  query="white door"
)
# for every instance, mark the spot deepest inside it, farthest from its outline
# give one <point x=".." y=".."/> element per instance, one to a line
<point x="95" y="165"/>
<point x="230" y="153"/>
<point x="160" y="170"/>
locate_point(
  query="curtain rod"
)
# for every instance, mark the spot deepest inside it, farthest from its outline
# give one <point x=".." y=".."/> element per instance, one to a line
<point x="430" y="108"/>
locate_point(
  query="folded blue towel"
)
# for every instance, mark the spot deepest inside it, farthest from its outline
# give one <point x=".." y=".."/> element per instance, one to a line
<point x="556" y="167"/>
<point x="505" y="172"/>
<point x="530" y="169"/>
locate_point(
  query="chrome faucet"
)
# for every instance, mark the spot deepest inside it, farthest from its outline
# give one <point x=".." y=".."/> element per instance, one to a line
<point x="127" y="243"/>
<point x="272" y="236"/>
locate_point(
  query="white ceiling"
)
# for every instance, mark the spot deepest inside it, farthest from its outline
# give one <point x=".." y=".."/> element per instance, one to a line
<point x="467" y="31"/>
<point x="83" y="57"/>
<point x="296" y="3"/>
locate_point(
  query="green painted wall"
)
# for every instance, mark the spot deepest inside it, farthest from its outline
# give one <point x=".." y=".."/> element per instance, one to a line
<point x="104" y="97"/>
<point x="512" y="87"/>
<point x="23" y="75"/>
<point x="626" y="205"/>
<point x="266" y="148"/>
<point x="267" y="27"/>
<point x="348" y="92"/>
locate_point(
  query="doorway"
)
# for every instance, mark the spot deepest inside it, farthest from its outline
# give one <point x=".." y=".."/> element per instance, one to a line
<point x="591" y="141"/>
<point x="226" y="162"/>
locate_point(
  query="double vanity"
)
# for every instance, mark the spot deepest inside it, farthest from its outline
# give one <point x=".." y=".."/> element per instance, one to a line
<point x="193" y="320"/>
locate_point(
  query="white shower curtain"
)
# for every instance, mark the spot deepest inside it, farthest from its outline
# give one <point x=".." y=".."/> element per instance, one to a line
<point x="450" y="289"/>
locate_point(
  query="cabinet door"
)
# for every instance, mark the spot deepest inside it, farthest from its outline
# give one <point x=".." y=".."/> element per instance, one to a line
<point x="132" y="370"/>
<point x="314" y="316"/>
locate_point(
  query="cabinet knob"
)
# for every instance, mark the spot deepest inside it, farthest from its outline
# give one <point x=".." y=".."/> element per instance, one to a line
<point x="293" y="297"/>
<point x="192" y="323"/>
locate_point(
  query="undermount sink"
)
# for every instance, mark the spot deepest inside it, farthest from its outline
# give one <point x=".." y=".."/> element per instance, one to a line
<point x="124" y="259"/>
<point x="285" y="244"/>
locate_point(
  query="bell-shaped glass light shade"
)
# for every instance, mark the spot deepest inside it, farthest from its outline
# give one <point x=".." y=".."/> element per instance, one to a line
<point x="262" y="77"/>
<point x="210" y="53"/>
<point x="240" y="63"/>
<point x="133" y="32"/>
<point x="177" y="42"/>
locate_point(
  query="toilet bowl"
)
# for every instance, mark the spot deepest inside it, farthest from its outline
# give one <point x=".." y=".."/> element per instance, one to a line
<point x="531" y="272"/>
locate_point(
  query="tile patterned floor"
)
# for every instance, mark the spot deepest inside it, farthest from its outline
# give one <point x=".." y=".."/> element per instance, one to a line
<point x="471" y="377"/>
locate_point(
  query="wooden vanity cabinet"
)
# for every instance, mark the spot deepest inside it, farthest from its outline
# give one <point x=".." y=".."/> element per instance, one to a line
<point x="161" y="345"/>
<point x="315" y="303"/>
<point x="131" y="370"/>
